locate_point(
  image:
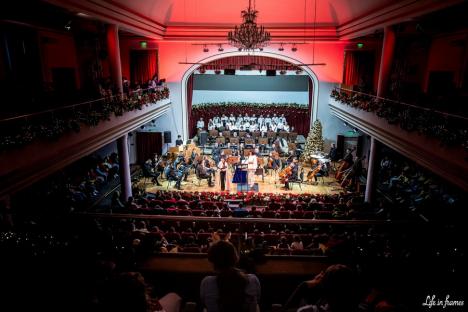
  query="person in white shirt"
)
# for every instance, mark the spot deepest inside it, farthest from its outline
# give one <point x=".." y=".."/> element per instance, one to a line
<point x="224" y="118"/>
<point x="268" y="119"/>
<point x="240" y="118"/>
<point x="279" y="126"/>
<point x="232" y="118"/>
<point x="251" y="167"/>
<point x="211" y="125"/>
<point x="228" y="125"/>
<point x="246" y="125"/>
<point x="260" y="119"/>
<point x="286" y="127"/>
<point x="216" y="120"/>
<point x="274" y="118"/>
<point x="247" y="117"/>
<point x="282" y="119"/>
<point x="222" y="166"/>
<point x="219" y="124"/>
<point x="253" y="127"/>
<point x="273" y="127"/>
<point x="200" y="124"/>
<point x="263" y="128"/>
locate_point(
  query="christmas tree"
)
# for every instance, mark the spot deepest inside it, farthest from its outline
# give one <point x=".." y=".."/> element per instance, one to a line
<point x="314" y="142"/>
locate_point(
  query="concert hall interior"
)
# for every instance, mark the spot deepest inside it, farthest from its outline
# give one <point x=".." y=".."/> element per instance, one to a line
<point x="233" y="155"/>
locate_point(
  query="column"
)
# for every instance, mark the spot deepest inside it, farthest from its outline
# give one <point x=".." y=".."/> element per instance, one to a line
<point x="113" y="49"/>
<point x="124" y="164"/>
<point x="370" y="171"/>
<point x="388" y="48"/>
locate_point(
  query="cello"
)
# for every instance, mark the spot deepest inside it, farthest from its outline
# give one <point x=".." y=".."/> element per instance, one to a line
<point x="314" y="171"/>
<point x="285" y="174"/>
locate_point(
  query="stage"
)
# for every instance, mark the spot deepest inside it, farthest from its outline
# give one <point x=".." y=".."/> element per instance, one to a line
<point x="270" y="184"/>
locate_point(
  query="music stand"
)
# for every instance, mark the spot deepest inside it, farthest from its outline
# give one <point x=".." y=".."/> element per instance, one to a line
<point x="220" y="140"/>
<point x="234" y="140"/>
<point x="242" y="134"/>
<point x="213" y="133"/>
<point x="226" y="133"/>
<point x="271" y="134"/>
<point x="263" y="141"/>
<point x="283" y="134"/>
<point x="249" y="141"/>
<point x="257" y="134"/>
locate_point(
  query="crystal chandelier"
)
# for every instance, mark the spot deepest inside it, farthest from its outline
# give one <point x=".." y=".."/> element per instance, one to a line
<point x="249" y="36"/>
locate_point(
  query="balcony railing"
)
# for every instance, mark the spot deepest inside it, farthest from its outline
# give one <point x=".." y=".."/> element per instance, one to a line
<point x="51" y="124"/>
<point x="450" y="129"/>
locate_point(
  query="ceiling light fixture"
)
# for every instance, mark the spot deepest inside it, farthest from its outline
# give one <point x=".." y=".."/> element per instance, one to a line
<point x="220" y="49"/>
<point x="294" y="48"/>
<point x="281" y="48"/>
<point x="248" y="36"/>
<point x="205" y="49"/>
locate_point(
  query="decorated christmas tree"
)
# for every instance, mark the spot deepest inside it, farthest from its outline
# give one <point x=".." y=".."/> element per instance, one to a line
<point x="314" y="142"/>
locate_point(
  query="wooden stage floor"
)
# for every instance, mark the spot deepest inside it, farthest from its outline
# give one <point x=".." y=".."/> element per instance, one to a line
<point x="270" y="184"/>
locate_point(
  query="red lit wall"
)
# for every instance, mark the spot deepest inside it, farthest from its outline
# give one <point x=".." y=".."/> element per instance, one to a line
<point x="128" y="44"/>
<point x="57" y="50"/>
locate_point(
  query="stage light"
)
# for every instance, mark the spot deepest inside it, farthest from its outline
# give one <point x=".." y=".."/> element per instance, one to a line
<point x="68" y="25"/>
<point x="260" y="49"/>
<point x="143" y="44"/>
<point x="220" y="49"/>
<point x="205" y="49"/>
<point x="294" y="48"/>
<point x="281" y="48"/>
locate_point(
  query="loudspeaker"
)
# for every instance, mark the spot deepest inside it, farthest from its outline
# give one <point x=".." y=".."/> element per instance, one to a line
<point x="229" y="71"/>
<point x="203" y="137"/>
<point x="271" y="72"/>
<point x="167" y="137"/>
<point x="340" y="146"/>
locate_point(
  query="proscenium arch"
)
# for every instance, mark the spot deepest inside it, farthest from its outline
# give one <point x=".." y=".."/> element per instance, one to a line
<point x="307" y="69"/>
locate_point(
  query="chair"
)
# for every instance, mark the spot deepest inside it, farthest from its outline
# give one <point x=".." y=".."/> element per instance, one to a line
<point x="319" y="175"/>
<point x="199" y="178"/>
<point x="298" y="180"/>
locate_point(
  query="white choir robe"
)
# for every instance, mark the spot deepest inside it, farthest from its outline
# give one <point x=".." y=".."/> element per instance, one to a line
<point x="260" y="120"/>
<point x="280" y="126"/>
<point x="211" y="126"/>
<point x="286" y="128"/>
<point x="200" y="124"/>
<point x="252" y="128"/>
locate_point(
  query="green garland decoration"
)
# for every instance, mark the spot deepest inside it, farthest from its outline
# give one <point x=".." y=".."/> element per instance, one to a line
<point x="51" y="126"/>
<point x="204" y="106"/>
<point x="449" y="130"/>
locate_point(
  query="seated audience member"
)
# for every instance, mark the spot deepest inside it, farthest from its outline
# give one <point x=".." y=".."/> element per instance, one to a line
<point x="297" y="243"/>
<point x="129" y="292"/>
<point x="230" y="290"/>
<point x="335" y="290"/>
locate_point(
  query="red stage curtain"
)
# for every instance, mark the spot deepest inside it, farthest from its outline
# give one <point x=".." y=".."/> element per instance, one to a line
<point x="143" y="65"/>
<point x="263" y="62"/>
<point x="192" y="122"/>
<point x="147" y="144"/>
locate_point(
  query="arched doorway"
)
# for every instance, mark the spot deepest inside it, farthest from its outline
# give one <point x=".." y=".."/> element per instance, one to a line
<point x="192" y="69"/>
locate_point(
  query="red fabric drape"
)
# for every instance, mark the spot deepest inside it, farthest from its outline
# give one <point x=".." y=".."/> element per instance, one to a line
<point x="147" y="144"/>
<point x="263" y="62"/>
<point x="351" y="69"/>
<point x="143" y="65"/>
<point x="191" y="121"/>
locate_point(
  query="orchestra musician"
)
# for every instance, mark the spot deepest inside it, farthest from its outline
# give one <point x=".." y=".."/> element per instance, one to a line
<point x="345" y="163"/>
<point x="288" y="173"/>
<point x="222" y="166"/>
<point x="251" y="167"/>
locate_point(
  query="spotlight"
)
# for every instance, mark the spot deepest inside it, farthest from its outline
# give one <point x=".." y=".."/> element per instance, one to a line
<point x="217" y="72"/>
<point x="298" y="71"/>
<point x="355" y="130"/>
<point x="240" y="49"/>
<point x="281" y="48"/>
<point x="294" y="48"/>
<point x="153" y="121"/>
<point x="282" y="72"/>
<point x="220" y="49"/>
<point x="260" y="49"/>
<point x="142" y="127"/>
<point x="202" y="70"/>
<point x="205" y="49"/>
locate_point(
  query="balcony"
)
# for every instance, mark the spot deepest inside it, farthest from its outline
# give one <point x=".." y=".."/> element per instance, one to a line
<point x="100" y="123"/>
<point x="441" y="147"/>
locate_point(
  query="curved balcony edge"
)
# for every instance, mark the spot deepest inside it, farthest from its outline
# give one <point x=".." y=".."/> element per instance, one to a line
<point x="27" y="165"/>
<point x="447" y="162"/>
